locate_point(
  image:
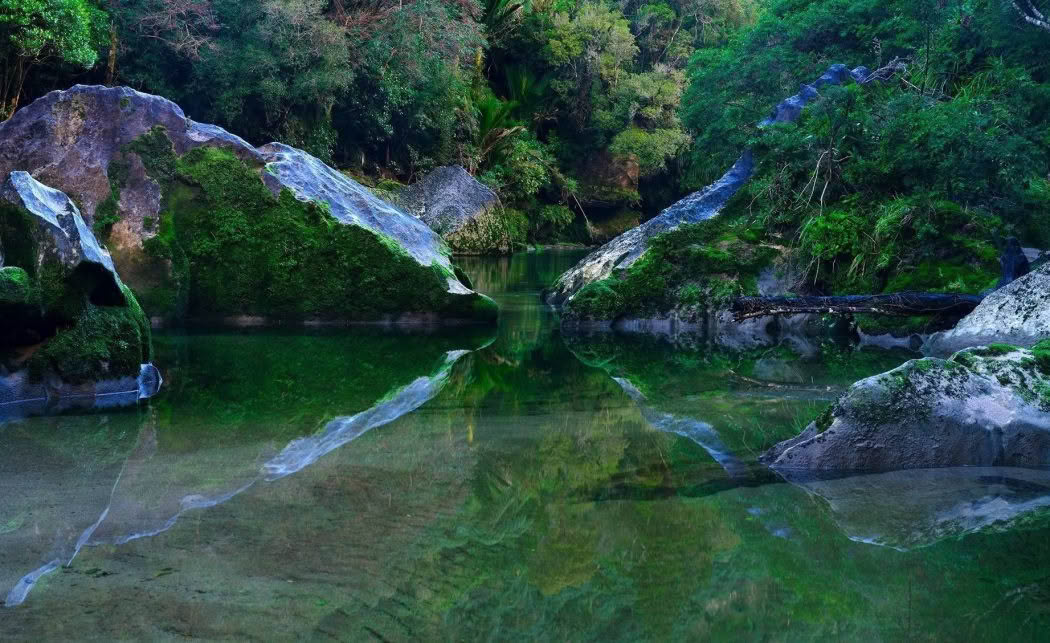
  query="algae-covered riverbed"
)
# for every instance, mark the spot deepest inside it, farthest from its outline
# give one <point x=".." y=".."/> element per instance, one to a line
<point x="499" y="484"/>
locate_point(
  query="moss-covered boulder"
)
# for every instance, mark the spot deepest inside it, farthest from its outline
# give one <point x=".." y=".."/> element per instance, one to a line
<point x="684" y="284"/>
<point x="986" y="406"/>
<point x="465" y="212"/>
<point x="68" y="327"/>
<point x="204" y="226"/>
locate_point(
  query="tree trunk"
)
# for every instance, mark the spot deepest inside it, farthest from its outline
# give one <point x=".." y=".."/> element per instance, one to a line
<point x="15" y="95"/>
<point x="895" y="304"/>
<point x="111" y="63"/>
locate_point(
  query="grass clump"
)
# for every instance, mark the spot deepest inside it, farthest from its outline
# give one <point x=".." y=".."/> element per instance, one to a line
<point x="1041" y="353"/>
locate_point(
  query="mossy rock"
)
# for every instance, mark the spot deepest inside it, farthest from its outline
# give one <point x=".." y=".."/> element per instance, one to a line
<point x="142" y="162"/>
<point x="984" y="406"/>
<point x="65" y="316"/>
<point x="238" y="250"/>
<point x="692" y="270"/>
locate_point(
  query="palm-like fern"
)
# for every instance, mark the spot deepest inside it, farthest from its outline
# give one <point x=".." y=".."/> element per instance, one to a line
<point x="528" y="92"/>
<point x="496" y="127"/>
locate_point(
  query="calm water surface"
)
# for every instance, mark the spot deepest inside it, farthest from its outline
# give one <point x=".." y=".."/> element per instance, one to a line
<point x="498" y="484"/>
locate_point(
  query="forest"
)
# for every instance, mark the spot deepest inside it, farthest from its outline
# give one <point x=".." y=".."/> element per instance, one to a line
<point x="587" y="117"/>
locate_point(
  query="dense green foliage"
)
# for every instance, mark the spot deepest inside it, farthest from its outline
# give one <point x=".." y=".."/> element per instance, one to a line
<point x="908" y="183"/>
<point x="38" y="31"/>
<point x="911" y="183"/>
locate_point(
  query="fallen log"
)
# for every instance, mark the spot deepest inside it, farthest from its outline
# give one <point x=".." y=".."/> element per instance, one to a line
<point x="899" y="304"/>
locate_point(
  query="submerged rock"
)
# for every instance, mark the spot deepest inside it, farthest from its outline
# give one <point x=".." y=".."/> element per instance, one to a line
<point x="70" y="332"/>
<point x="985" y="406"/>
<point x="197" y="235"/>
<point x="1018" y="313"/>
<point x="459" y="208"/>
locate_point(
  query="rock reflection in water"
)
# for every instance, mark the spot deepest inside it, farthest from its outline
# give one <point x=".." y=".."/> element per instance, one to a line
<point x="699" y="432"/>
<point x="916" y="508"/>
<point x="150" y="491"/>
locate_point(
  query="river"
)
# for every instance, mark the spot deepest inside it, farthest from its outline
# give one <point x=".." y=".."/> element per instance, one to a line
<point x="497" y="484"/>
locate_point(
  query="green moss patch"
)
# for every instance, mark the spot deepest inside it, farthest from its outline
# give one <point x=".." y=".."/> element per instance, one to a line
<point x="701" y="266"/>
<point x="103" y="342"/>
<point x="106" y="214"/>
<point x="1041" y="353"/>
<point x="947" y="277"/>
<point x="16" y="288"/>
<point x="235" y="249"/>
<point x="157" y="154"/>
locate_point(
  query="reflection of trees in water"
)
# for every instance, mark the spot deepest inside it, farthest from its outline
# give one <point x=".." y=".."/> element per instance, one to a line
<point x="549" y="439"/>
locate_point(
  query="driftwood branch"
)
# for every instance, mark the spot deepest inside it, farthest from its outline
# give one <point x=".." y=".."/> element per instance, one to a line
<point x="894" y="304"/>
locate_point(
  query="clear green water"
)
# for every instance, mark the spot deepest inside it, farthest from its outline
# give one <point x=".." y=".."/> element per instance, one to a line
<point x="506" y="485"/>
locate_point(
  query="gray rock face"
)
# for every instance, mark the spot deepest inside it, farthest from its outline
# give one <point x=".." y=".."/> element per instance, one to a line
<point x="620" y="253"/>
<point x="62" y="233"/>
<point x="1018" y="314"/>
<point x="70" y="140"/>
<point x="982" y="407"/>
<point x="459" y="208"/>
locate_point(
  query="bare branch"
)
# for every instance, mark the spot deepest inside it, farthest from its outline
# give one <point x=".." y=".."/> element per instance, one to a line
<point x="1030" y="14"/>
<point x="186" y="26"/>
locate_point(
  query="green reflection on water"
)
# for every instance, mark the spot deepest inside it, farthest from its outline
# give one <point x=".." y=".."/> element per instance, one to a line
<point x="531" y="496"/>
